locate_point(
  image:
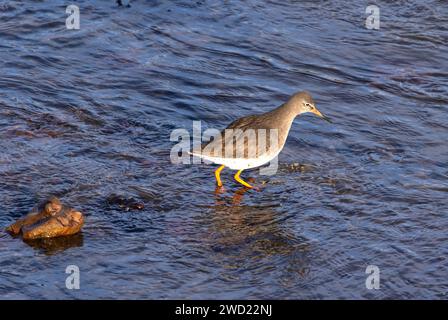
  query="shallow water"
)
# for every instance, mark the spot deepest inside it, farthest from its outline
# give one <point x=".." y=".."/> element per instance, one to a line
<point x="87" y="114"/>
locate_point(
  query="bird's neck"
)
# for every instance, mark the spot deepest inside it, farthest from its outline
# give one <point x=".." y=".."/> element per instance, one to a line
<point x="285" y="115"/>
<point x="286" y="112"/>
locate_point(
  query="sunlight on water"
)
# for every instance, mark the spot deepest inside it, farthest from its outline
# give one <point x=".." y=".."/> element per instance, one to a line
<point x="86" y="115"/>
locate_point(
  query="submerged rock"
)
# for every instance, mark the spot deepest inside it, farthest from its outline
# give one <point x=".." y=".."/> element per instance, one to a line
<point x="125" y="3"/>
<point x="51" y="219"/>
<point x="297" y="167"/>
<point x="124" y="203"/>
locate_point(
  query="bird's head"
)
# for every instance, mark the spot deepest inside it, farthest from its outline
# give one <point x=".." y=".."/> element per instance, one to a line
<point x="302" y="102"/>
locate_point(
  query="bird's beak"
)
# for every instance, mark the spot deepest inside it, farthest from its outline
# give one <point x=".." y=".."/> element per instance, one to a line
<point x="317" y="112"/>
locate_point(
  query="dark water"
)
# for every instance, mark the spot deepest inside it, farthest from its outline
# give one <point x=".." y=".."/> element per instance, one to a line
<point x="87" y="115"/>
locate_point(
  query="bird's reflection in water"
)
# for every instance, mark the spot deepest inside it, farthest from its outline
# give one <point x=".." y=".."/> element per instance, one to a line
<point x="255" y="236"/>
<point x="55" y="245"/>
<point x="237" y="196"/>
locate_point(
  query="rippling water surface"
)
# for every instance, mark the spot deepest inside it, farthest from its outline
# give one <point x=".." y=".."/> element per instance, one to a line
<point x="87" y="115"/>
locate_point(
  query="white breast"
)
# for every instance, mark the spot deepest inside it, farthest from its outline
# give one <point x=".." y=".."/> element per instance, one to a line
<point x="240" y="163"/>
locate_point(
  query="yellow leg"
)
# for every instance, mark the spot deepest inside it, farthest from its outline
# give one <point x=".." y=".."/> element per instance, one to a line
<point x="244" y="183"/>
<point x="218" y="176"/>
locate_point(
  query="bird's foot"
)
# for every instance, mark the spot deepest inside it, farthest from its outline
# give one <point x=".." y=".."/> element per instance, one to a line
<point x="220" y="189"/>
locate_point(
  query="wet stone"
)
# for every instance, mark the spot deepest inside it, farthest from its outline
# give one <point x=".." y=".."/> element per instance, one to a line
<point x="50" y="219"/>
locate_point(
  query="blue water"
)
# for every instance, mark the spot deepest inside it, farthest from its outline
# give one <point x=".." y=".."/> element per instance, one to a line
<point x="87" y="114"/>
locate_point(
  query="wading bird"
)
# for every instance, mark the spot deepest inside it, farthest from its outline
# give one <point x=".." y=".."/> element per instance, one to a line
<point x="255" y="140"/>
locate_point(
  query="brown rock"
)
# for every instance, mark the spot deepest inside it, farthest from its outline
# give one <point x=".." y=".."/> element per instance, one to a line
<point x="51" y="219"/>
<point x="50" y="207"/>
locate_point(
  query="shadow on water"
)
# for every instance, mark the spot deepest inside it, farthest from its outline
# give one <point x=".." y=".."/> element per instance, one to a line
<point x="56" y="245"/>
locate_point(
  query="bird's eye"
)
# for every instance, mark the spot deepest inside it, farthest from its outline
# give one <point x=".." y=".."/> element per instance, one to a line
<point x="309" y="106"/>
